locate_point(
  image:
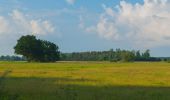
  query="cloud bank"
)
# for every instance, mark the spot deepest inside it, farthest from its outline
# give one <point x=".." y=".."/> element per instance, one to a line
<point x="19" y="23"/>
<point x="146" y="25"/>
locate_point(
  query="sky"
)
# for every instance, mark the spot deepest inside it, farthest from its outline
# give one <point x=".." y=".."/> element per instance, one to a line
<point x="88" y="25"/>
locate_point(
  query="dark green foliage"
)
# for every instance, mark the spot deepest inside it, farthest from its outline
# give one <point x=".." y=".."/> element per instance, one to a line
<point x="146" y="54"/>
<point x="36" y="50"/>
<point x="50" y="51"/>
<point x="127" y="56"/>
<point x="29" y="47"/>
<point x="111" y="55"/>
<point x="11" y="58"/>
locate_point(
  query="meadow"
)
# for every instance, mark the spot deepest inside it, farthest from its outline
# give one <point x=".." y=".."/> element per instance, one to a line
<point x="84" y="81"/>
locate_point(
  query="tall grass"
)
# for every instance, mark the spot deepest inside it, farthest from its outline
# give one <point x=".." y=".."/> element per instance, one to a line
<point x="84" y="81"/>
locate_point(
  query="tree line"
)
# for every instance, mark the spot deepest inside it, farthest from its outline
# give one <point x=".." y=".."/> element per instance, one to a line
<point x="37" y="50"/>
<point x="12" y="58"/>
<point x="110" y="55"/>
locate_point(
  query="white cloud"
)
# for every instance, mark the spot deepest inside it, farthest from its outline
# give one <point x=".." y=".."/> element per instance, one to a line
<point x="19" y="23"/>
<point x="70" y="1"/>
<point x="145" y="25"/>
<point x="42" y="27"/>
<point x="4" y="25"/>
<point x="107" y="29"/>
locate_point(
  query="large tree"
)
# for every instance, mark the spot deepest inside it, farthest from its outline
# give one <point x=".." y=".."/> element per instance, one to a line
<point x="37" y="50"/>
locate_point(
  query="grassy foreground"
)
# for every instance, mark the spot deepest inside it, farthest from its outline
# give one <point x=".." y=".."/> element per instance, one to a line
<point x="84" y="81"/>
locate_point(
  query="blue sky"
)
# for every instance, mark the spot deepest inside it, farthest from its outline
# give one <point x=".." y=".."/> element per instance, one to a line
<point x="85" y="25"/>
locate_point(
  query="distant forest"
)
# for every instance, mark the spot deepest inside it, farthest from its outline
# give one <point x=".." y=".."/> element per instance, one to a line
<point x="110" y="55"/>
<point x="12" y="58"/>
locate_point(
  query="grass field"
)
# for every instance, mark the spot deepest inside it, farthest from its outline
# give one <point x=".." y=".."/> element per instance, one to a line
<point x="84" y="81"/>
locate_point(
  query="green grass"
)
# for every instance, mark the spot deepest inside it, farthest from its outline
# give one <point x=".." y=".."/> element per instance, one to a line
<point x="84" y="81"/>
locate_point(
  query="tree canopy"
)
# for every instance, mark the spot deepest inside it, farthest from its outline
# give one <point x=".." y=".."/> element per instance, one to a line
<point x="36" y="50"/>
